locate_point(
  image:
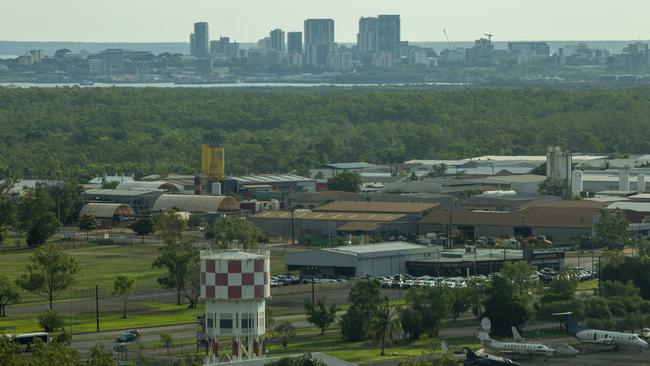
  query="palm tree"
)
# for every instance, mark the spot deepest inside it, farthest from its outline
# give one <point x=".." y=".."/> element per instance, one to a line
<point x="386" y="324"/>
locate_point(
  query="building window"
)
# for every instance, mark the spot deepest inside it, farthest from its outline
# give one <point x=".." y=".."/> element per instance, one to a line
<point x="225" y="321"/>
<point x="247" y="322"/>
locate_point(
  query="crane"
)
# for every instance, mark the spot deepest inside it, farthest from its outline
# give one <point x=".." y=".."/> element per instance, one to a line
<point x="447" y="37"/>
<point x="489" y="36"/>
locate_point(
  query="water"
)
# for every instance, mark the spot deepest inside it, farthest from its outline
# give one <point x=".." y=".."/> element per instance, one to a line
<point x="221" y="85"/>
<point x="7" y="57"/>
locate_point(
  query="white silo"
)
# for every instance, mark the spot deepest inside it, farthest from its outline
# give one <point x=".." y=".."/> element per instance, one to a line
<point x="576" y="182"/>
<point x="623" y="180"/>
<point x="640" y="183"/>
<point x="235" y="286"/>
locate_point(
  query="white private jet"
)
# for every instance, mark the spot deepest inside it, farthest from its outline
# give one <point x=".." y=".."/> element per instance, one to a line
<point x="602" y="338"/>
<point x="528" y="349"/>
<point x="561" y="349"/>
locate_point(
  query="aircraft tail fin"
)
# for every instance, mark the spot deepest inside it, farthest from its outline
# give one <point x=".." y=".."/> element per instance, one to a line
<point x="516" y="335"/>
<point x="471" y="355"/>
<point x="483" y="336"/>
<point x="444" y="347"/>
<point x="570" y="323"/>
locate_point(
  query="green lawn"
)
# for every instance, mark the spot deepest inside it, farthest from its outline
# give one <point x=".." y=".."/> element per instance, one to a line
<point x="98" y="266"/>
<point x="588" y="285"/>
<point x="148" y="314"/>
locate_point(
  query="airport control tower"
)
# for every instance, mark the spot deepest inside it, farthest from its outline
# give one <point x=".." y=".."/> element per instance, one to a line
<point x="235" y="286"/>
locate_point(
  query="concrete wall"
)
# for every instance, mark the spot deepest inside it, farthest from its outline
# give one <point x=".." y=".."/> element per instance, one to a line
<point x="561" y="236"/>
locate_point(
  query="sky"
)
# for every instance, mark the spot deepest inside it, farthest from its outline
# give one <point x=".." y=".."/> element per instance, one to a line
<point x="251" y="20"/>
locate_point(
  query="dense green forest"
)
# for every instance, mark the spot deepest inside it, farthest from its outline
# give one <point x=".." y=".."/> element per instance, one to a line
<point x="79" y="133"/>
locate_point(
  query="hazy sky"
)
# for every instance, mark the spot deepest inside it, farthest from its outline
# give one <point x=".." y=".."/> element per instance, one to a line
<point x="250" y="20"/>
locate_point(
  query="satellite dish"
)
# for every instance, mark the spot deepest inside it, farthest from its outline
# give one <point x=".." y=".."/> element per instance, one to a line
<point x="486" y="324"/>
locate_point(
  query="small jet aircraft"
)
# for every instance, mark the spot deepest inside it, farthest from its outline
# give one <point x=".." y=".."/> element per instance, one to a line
<point x="528" y="349"/>
<point x="601" y="338"/>
<point x="561" y="349"/>
<point x="469" y="357"/>
<point x="473" y="359"/>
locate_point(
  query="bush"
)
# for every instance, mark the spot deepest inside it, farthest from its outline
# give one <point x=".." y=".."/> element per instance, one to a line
<point x="50" y="321"/>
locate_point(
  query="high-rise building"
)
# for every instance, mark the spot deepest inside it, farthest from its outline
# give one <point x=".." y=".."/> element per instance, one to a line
<point x="278" y="40"/>
<point x="201" y="40"/>
<point x="223" y="48"/>
<point x="192" y="47"/>
<point x="367" y="38"/>
<point x="319" y="41"/>
<point x="389" y="35"/>
<point x="294" y="42"/>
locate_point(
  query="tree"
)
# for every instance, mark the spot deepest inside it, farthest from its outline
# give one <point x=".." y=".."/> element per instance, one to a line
<point x="142" y="226"/>
<point x="34" y="216"/>
<point x="170" y="225"/>
<point x="10" y="353"/>
<point x="69" y="199"/>
<point x="321" y="314"/>
<point x="54" y="354"/>
<point x="461" y="302"/>
<point x="87" y="223"/>
<point x="100" y="356"/>
<point x="286" y="331"/>
<point x="522" y="275"/>
<point x="236" y="230"/>
<point x="9" y="294"/>
<point x="364" y="299"/>
<point x="181" y="260"/>
<point x="50" y="270"/>
<point x="268" y="316"/>
<point x="385" y="324"/>
<point x="505" y="306"/>
<point x="437" y="171"/>
<point x="109" y="185"/>
<point x="305" y="360"/>
<point x="7" y="209"/>
<point x="167" y="341"/>
<point x="123" y="286"/>
<point x="50" y="320"/>
<point x="432" y="305"/>
<point x="608" y="289"/>
<point x="347" y="181"/>
<point x="612" y="227"/>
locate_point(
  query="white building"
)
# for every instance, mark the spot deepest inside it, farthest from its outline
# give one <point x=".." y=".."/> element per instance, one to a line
<point x="382" y="259"/>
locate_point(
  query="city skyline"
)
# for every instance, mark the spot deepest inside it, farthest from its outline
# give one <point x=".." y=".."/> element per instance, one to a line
<point x="464" y="20"/>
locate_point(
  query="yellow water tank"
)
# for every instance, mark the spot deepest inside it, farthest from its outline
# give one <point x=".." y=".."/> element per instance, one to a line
<point x="212" y="161"/>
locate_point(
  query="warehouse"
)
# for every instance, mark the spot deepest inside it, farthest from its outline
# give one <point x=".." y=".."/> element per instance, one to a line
<point x="141" y="201"/>
<point x="302" y="223"/>
<point x="359" y="261"/>
<point x="410" y="210"/>
<point x="559" y="221"/>
<point x="106" y="214"/>
<point x="151" y="186"/>
<point x="196" y="204"/>
<point x="286" y="183"/>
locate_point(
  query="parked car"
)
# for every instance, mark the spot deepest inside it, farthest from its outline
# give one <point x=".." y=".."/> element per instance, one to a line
<point x="128" y="336"/>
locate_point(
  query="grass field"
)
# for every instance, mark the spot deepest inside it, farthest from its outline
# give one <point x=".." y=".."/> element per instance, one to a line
<point x="98" y="266"/>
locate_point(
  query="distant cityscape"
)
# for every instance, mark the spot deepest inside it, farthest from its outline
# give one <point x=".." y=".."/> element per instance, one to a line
<point x="313" y="55"/>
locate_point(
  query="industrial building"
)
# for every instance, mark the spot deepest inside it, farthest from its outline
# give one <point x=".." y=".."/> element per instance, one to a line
<point x="151" y="186"/>
<point x="286" y="183"/>
<point x="410" y="209"/>
<point x="386" y="259"/>
<point x="107" y="214"/>
<point x="359" y="261"/>
<point x="142" y="201"/>
<point x="328" y="225"/>
<point x="559" y="221"/>
<point x="195" y="204"/>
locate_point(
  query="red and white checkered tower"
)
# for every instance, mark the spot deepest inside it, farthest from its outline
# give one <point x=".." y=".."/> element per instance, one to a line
<point x="235" y="286"/>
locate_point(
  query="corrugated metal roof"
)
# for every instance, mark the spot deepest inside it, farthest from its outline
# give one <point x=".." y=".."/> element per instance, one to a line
<point x="106" y="210"/>
<point x="359" y="226"/>
<point x="269" y="178"/>
<point x="120" y="192"/>
<point x="329" y="216"/>
<point x="631" y="206"/>
<point x="353" y="165"/>
<point x="166" y="186"/>
<point x="375" y="248"/>
<point x="379" y="207"/>
<point x="565" y="204"/>
<point x="194" y="203"/>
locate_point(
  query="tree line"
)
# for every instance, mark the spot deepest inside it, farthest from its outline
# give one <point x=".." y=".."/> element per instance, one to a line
<point x="81" y="133"/>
